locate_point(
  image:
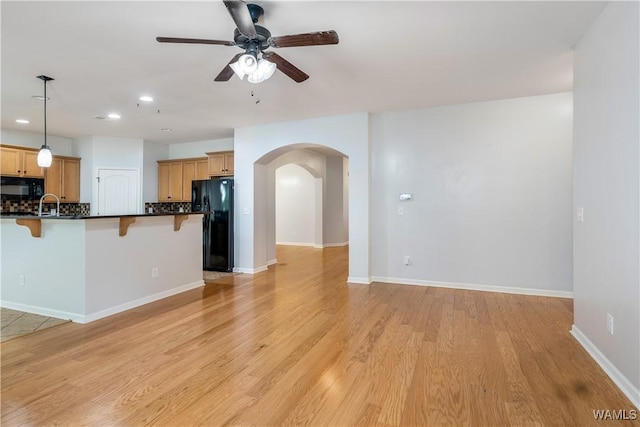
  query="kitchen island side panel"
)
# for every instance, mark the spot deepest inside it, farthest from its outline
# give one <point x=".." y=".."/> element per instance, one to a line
<point x="44" y="275"/>
<point x="119" y="268"/>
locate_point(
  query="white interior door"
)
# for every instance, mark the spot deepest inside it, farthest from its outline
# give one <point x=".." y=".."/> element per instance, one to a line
<point x="118" y="191"/>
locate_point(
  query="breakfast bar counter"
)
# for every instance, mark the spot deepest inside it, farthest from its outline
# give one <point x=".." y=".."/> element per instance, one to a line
<point x="85" y="268"/>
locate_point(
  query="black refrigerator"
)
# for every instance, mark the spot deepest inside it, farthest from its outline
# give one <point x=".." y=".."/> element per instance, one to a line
<point x="215" y="197"/>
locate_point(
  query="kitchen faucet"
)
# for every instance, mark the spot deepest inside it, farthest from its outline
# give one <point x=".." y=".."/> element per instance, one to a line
<point x="42" y="198"/>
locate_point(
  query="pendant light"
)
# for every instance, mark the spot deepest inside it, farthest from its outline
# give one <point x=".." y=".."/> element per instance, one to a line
<point x="44" y="155"/>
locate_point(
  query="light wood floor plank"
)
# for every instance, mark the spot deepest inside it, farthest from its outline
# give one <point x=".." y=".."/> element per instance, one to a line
<point x="298" y="346"/>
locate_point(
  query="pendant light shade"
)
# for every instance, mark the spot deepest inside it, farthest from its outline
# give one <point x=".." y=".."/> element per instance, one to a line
<point x="44" y="155"/>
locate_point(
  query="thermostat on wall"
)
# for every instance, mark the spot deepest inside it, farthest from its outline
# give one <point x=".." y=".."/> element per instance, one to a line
<point x="405" y="197"/>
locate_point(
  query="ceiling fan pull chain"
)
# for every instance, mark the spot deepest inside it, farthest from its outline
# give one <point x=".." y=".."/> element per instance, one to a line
<point x="254" y="95"/>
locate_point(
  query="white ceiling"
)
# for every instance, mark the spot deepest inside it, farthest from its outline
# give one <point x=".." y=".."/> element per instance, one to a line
<point x="392" y="55"/>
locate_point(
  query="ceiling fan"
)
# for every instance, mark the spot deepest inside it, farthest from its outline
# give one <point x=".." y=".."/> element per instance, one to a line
<point x="255" y="40"/>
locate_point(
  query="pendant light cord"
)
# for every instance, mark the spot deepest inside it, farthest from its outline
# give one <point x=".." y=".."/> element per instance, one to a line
<point x="45" y="113"/>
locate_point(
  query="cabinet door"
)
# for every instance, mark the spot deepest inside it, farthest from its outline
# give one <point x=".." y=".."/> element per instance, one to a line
<point x="228" y="163"/>
<point x="70" y="181"/>
<point x="202" y="169"/>
<point x="188" y="175"/>
<point x="163" y="182"/>
<point x="216" y="164"/>
<point x="30" y="165"/>
<point x="53" y="180"/>
<point x="175" y="181"/>
<point x="9" y="161"/>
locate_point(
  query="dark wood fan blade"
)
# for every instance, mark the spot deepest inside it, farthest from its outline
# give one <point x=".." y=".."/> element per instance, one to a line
<point x="227" y="72"/>
<point x="285" y="66"/>
<point x="309" y="39"/>
<point x="194" y="41"/>
<point x="240" y="14"/>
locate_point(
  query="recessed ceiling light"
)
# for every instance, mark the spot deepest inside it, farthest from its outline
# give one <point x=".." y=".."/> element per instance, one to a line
<point x="146" y="98"/>
<point x="23" y="121"/>
<point x="40" y="97"/>
<point x="114" y="116"/>
<point x="166" y="129"/>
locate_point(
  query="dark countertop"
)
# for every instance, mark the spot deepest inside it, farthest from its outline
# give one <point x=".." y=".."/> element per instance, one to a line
<point x="28" y="215"/>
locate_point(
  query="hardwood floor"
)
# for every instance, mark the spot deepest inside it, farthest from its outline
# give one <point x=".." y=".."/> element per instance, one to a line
<point x="298" y="346"/>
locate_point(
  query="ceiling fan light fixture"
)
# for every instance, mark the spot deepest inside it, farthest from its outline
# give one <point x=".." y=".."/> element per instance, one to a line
<point x="236" y="69"/>
<point x="248" y="63"/>
<point x="263" y="72"/>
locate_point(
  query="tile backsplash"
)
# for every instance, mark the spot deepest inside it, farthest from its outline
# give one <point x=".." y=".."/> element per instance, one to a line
<point x="167" y="207"/>
<point x="9" y="206"/>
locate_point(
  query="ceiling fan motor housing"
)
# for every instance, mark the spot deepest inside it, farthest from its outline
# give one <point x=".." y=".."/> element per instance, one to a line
<point x="261" y="39"/>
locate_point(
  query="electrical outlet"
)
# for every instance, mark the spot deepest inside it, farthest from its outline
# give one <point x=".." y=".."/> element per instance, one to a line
<point x="580" y="214"/>
<point x="407" y="260"/>
<point x="400" y="210"/>
<point x="21" y="280"/>
<point x="610" y="323"/>
<point x="154" y="272"/>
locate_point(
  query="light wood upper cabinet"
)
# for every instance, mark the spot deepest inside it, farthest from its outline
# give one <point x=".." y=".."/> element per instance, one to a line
<point x="169" y="181"/>
<point x="16" y="161"/>
<point x="175" y="178"/>
<point x="188" y="175"/>
<point x="62" y="178"/>
<point x="221" y="163"/>
<point x="202" y="169"/>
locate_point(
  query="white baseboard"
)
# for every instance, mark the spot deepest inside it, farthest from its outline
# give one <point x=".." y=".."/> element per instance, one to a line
<point x="272" y="262"/>
<point x="359" y="280"/>
<point x="632" y="392"/>
<point x="295" y="244"/>
<point x="476" y="287"/>
<point x="42" y="311"/>
<point x="82" y="318"/>
<point x="322" y="246"/>
<point x="333" y="245"/>
<point x="250" y="270"/>
<point x="141" y="301"/>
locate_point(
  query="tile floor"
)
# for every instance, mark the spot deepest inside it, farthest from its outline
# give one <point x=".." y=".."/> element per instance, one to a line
<point x="16" y="323"/>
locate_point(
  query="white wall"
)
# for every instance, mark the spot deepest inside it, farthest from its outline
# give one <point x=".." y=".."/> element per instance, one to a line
<point x="334" y="227"/>
<point x="491" y="185"/>
<point x="152" y="153"/>
<point x="110" y="153"/>
<point x="59" y="146"/>
<point x="606" y="184"/>
<point x="199" y="148"/>
<point x="83" y="148"/>
<point x="295" y="201"/>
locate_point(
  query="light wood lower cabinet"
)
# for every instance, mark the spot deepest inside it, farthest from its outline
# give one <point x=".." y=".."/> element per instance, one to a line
<point x="62" y="178"/>
<point x="175" y="178"/>
<point x="221" y="163"/>
<point x="15" y="161"/>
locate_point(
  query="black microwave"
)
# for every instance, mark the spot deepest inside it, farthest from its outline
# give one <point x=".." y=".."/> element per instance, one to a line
<point x="15" y="188"/>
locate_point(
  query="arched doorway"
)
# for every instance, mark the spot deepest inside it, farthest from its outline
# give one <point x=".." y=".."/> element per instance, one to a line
<point x="256" y="147"/>
<point x="313" y="198"/>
